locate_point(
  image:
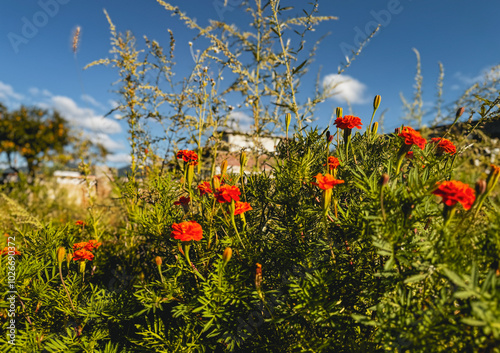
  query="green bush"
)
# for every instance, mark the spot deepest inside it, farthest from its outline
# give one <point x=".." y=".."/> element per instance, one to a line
<point x="375" y="263"/>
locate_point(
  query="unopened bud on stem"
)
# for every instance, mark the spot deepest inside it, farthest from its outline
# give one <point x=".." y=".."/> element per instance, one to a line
<point x="338" y="112"/>
<point x="61" y="255"/>
<point x="480" y="187"/>
<point x="376" y="102"/>
<point x="384" y="179"/>
<point x="158" y="261"/>
<point x="226" y="256"/>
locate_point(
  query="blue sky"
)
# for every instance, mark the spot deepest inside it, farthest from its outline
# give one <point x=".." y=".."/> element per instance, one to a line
<point x="39" y="68"/>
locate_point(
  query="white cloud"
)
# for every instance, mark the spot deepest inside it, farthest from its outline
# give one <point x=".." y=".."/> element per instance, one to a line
<point x="345" y="88"/>
<point x="119" y="158"/>
<point x="7" y="92"/>
<point x="84" y="117"/>
<point x="486" y="74"/>
<point x="113" y="104"/>
<point x="106" y="141"/>
<point x="34" y="91"/>
<point x="240" y="119"/>
<point x="89" y="99"/>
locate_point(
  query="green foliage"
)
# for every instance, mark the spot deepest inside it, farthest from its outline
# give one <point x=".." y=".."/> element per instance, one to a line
<point x="382" y="266"/>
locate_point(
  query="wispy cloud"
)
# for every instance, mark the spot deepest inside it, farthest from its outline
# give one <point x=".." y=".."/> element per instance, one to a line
<point x="84" y="117"/>
<point x="105" y="140"/>
<point x="238" y="118"/>
<point x="344" y="88"/>
<point x="119" y="158"/>
<point x="91" y="100"/>
<point x="488" y="73"/>
<point x="7" y="93"/>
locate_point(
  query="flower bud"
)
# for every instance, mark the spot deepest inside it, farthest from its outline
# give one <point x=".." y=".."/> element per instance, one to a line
<point x="258" y="276"/>
<point x="158" y="261"/>
<point x="338" y="112"/>
<point x="288" y="119"/>
<point x="226" y="256"/>
<point x="480" y="187"/>
<point x="69" y="257"/>
<point x="384" y="179"/>
<point x="376" y="102"/>
<point x="82" y="265"/>
<point x="215" y="183"/>
<point x="328" y="136"/>
<point x="223" y="168"/>
<point x="460" y="111"/>
<point x="243" y="159"/>
<point x="61" y="254"/>
<point x="375" y="128"/>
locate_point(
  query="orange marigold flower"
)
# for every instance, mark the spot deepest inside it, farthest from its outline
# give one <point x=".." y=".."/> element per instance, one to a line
<point x="226" y="193"/>
<point x="456" y="191"/>
<point x="205" y="188"/>
<point x="80" y="223"/>
<point x="82" y="254"/>
<point x="348" y="122"/>
<point x="187" y="231"/>
<point x="188" y="156"/>
<point x="89" y="246"/>
<point x="444" y="145"/>
<point x="241" y="207"/>
<point x="79" y="245"/>
<point x="182" y="200"/>
<point x="5" y="251"/>
<point x="92" y="244"/>
<point x="412" y="137"/>
<point x="326" y="181"/>
<point x="333" y="163"/>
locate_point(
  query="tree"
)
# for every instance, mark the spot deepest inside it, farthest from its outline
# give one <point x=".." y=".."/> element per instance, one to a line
<point x="33" y="133"/>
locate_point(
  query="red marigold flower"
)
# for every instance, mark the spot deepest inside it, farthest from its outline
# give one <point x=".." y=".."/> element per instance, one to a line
<point x="6" y="250"/>
<point x="226" y="193"/>
<point x="182" y="200"/>
<point x="80" y="223"/>
<point x="241" y="207"/>
<point x="456" y="191"/>
<point x="89" y="246"/>
<point x="188" y="156"/>
<point x="326" y="181"/>
<point x="82" y="254"/>
<point x="187" y="231"/>
<point x="81" y="245"/>
<point x="412" y="137"/>
<point x="205" y="188"/>
<point x="333" y="163"/>
<point x="92" y="244"/>
<point x="444" y="145"/>
<point x="348" y="122"/>
<point x="410" y="155"/>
